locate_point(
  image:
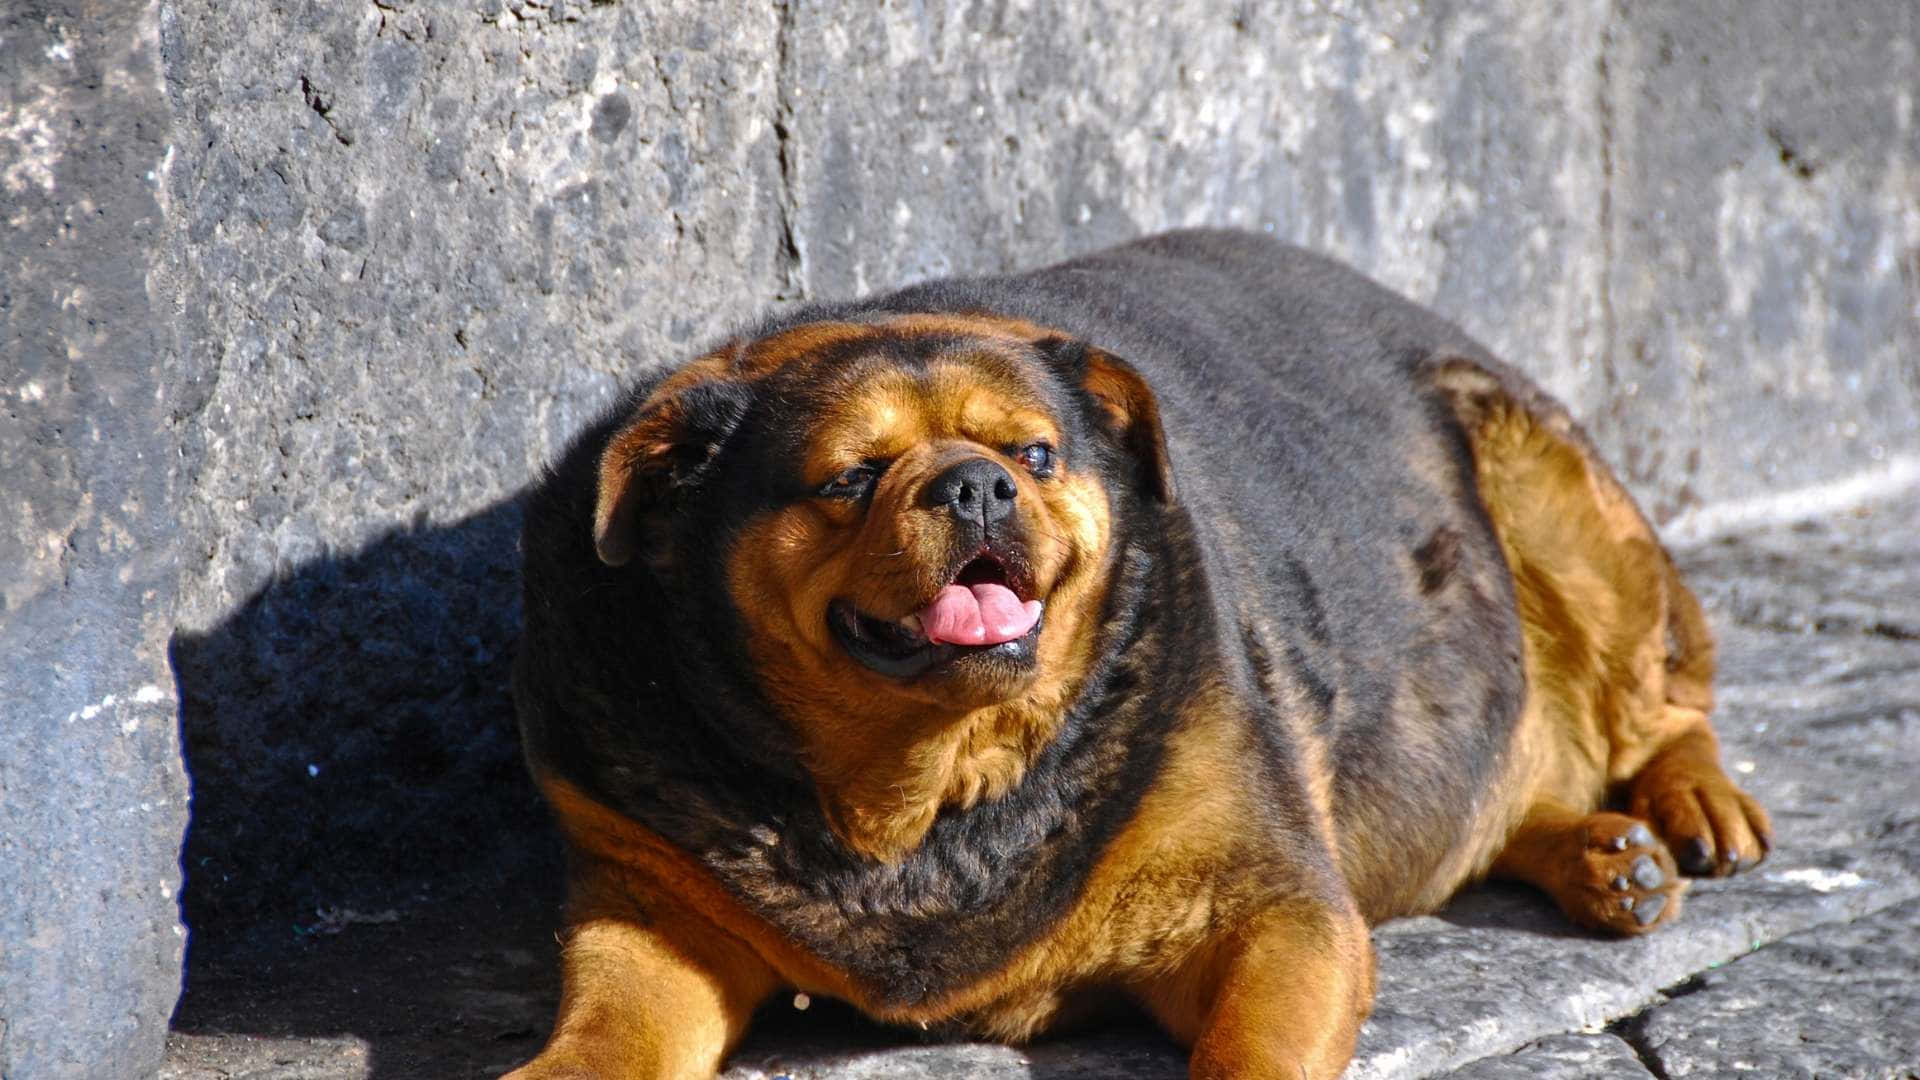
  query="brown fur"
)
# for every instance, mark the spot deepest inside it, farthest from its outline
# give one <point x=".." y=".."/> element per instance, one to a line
<point x="1619" y="668"/>
<point x="1159" y="917"/>
<point x="887" y="761"/>
<point x="1233" y="902"/>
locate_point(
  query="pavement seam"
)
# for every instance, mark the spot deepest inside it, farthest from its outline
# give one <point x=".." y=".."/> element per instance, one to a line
<point x="1626" y="1026"/>
<point x="1632" y="1031"/>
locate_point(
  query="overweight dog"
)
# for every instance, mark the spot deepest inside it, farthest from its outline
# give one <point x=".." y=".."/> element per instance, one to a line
<point x="1137" y="630"/>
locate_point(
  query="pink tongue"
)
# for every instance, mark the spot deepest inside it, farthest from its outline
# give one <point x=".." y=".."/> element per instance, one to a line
<point x="984" y="614"/>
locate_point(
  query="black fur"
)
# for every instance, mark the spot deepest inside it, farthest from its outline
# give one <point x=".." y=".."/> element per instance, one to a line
<point x="1325" y="552"/>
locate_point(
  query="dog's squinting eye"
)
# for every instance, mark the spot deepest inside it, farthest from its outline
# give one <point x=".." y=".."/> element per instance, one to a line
<point x="853" y="483"/>
<point x="1037" y="457"/>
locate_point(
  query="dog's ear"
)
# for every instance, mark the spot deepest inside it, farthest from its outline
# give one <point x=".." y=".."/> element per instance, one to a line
<point x="660" y="455"/>
<point x="1128" y="410"/>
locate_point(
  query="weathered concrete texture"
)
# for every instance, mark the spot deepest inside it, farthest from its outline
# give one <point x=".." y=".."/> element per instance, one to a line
<point x="422" y="243"/>
<point x="1762" y="245"/>
<point x="92" y="795"/>
<point x="926" y="141"/>
<point x="250" y="1057"/>
<point x="297" y="296"/>
<point x="1561" y="1057"/>
<point x="1837" y="1001"/>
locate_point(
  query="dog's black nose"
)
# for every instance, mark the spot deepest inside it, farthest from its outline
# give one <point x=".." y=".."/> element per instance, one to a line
<point x="977" y="489"/>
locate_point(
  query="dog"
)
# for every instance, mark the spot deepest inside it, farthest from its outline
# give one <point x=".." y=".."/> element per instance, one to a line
<point x="1134" y="632"/>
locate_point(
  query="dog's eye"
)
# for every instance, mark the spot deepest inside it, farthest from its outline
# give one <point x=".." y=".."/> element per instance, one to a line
<point x="853" y="483"/>
<point x="1037" y="457"/>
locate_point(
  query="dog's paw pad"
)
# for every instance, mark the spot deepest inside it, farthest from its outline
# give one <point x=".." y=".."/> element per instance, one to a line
<point x="1646" y="873"/>
<point x="1624" y="881"/>
<point x="1648" y="912"/>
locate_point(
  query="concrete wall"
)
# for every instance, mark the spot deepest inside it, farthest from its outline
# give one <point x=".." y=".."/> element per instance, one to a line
<point x="294" y="297"/>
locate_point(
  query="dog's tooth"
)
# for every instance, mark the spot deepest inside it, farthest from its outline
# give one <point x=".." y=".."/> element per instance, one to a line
<point x="911" y="624"/>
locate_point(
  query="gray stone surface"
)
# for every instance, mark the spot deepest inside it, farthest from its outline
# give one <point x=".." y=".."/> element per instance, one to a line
<point x="331" y="281"/>
<point x="1760" y="215"/>
<point x="1841" y="1000"/>
<point x="92" y="796"/>
<point x="1561" y="1057"/>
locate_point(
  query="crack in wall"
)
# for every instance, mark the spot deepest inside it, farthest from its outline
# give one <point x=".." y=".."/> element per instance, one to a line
<point x="1603" y="108"/>
<point x="792" y="266"/>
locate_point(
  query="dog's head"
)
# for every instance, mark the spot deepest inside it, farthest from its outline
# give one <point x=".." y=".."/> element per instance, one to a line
<point x="912" y="517"/>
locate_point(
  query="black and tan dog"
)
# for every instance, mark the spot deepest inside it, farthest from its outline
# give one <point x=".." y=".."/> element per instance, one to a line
<point x="1137" y="629"/>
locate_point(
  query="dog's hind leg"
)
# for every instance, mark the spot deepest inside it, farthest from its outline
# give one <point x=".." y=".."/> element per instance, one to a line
<point x="1619" y="668"/>
<point x="1606" y="871"/>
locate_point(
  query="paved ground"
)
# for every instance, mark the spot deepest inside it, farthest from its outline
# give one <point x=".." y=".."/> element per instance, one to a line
<point x="1808" y="967"/>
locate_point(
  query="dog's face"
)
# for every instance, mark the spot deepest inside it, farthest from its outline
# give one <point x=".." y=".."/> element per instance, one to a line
<point x="912" y="518"/>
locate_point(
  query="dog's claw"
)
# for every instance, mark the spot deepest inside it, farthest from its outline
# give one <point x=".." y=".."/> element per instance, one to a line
<point x="1621" y="883"/>
<point x="1696" y="856"/>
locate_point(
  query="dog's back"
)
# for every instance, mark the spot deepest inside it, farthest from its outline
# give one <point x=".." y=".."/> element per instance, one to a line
<point x="1360" y="591"/>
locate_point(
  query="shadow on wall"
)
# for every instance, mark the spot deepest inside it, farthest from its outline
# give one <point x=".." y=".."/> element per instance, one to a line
<point x="362" y="819"/>
<point x="349" y="732"/>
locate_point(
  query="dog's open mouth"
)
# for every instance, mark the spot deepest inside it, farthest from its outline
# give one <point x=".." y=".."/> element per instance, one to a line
<point x="980" y="612"/>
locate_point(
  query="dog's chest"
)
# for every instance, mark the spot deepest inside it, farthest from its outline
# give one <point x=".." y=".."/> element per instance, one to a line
<point x="1022" y="934"/>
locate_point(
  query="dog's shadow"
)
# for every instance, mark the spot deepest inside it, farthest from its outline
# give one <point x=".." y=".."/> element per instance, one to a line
<point x="1509" y="907"/>
<point x="369" y="872"/>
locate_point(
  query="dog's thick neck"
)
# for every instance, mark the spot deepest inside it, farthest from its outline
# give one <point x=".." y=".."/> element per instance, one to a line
<point x="883" y="796"/>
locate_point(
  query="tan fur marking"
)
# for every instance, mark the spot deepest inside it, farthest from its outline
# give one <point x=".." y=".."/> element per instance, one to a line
<point x="1619" y="666"/>
<point x="1173" y="912"/>
<point x="1167" y="910"/>
<point x="649" y="988"/>
<point x="986" y="326"/>
<point x="888" y="756"/>
<point x="767" y="355"/>
<point x="655" y="872"/>
<point x="1285" y="997"/>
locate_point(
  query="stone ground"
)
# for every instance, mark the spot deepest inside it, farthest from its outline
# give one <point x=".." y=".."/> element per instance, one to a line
<point x="1809" y="966"/>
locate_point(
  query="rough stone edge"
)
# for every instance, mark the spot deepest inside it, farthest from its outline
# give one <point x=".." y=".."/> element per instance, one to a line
<point x="90" y="993"/>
